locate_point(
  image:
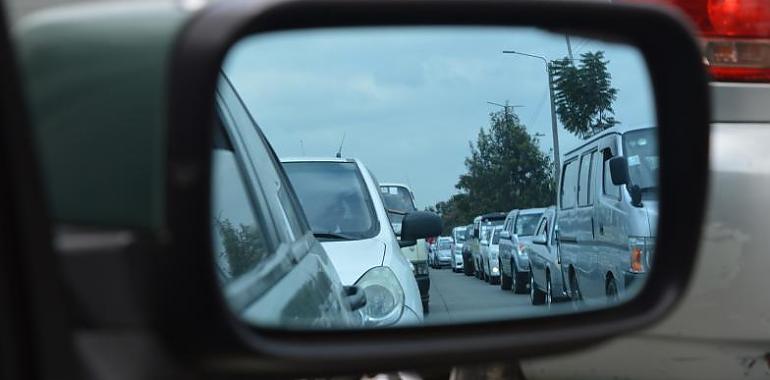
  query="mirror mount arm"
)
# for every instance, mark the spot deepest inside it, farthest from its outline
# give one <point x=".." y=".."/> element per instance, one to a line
<point x="406" y="243"/>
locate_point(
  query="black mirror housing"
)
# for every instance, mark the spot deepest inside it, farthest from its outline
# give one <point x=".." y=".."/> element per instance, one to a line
<point x="234" y="349"/>
<point x="420" y="225"/>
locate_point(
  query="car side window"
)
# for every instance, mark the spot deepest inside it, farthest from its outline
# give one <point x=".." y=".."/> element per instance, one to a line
<point x="264" y="166"/>
<point x="569" y="185"/>
<point x="542" y="227"/>
<point x="584" y="189"/>
<point x="609" y="189"/>
<point x="239" y="240"/>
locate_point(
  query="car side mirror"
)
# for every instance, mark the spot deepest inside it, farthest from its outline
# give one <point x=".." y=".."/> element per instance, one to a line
<point x="247" y="32"/>
<point x="619" y="170"/>
<point x="505" y="235"/>
<point x="420" y="225"/>
<point x="540" y="239"/>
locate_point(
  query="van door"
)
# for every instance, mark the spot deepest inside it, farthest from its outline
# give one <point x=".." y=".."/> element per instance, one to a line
<point x="593" y="285"/>
<point x="610" y="215"/>
<point x="571" y="253"/>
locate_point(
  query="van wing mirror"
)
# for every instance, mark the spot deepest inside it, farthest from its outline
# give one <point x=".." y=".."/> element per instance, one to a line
<point x="420" y="225"/>
<point x="619" y="170"/>
<point x="540" y="239"/>
<point x="505" y="235"/>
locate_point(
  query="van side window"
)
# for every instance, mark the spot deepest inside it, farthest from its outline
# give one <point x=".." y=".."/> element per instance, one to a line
<point x="609" y="190"/>
<point x="569" y="185"/>
<point x="584" y="190"/>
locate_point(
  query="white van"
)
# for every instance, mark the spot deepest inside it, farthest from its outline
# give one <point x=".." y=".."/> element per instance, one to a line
<point x="608" y="213"/>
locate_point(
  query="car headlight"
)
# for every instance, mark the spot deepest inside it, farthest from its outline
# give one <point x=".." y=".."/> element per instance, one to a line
<point x="495" y="269"/>
<point x="384" y="297"/>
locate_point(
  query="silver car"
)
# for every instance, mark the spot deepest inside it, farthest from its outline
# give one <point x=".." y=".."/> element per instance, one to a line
<point x="342" y="203"/>
<point x="518" y="229"/>
<point x="490" y="255"/>
<point x="546" y="283"/>
<point x="459" y="234"/>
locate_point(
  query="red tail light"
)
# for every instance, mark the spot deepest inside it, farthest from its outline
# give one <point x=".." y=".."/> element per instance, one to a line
<point x="735" y="35"/>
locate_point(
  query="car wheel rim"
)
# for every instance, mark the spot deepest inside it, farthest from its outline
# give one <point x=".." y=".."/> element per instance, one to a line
<point x="548" y="293"/>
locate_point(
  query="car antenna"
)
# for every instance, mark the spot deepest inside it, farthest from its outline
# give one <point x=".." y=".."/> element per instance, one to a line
<point x="339" y="151"/>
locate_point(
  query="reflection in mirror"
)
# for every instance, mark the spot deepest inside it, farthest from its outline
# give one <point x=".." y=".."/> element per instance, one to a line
<point x="539" y="154"/>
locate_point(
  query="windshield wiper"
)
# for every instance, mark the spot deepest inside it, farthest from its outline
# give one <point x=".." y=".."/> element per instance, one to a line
<point x="332" y="236"/>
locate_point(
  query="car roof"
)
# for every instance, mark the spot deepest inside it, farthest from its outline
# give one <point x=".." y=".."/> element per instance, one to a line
<point x="493" y="216"/>
<point x="530" y="211"/>
<point x="394" y="184"/>
<point x="316" y="159"/>
<point x="606" y="133"/>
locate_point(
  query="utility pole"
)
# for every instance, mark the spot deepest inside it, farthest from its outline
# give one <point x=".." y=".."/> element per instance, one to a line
<point x="554" y="128"/>
<point x="505" y="107"/>
<point x="569" y="49"/>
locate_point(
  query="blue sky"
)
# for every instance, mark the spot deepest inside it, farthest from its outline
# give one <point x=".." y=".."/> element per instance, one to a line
<point x="408" y="100"/>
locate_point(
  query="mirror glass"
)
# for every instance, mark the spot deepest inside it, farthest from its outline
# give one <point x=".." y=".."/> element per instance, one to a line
<point x="331" y="144"/>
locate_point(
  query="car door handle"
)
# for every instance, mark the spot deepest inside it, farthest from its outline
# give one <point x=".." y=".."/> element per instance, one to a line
<point x="355" y="296"/>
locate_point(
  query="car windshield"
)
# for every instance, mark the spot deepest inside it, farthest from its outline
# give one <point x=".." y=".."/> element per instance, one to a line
<point x="444" y="244"/>
<point x="526" y="224"/>
<point x="460" y="236"/>
<point x="334" y="198"/>
<point x="641" y="150"/>
<point x="398" y="198"/>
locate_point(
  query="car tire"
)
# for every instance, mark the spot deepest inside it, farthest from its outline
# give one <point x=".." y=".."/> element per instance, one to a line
<point x="425" y="307"/>
<point x="520" y="281"/>
<point x="612" y="291"/>
<point x="575" y="296"/>
<point x="548" y="291"/>
<point x="505" y="281"/>
<point x="536" y="296"/>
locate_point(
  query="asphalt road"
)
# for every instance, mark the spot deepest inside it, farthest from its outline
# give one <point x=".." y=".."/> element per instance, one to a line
<point x="455" y="297"/>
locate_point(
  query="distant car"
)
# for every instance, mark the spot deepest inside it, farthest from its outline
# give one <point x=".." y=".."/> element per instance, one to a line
<point x="471" y="248"/>
<point x="442" y="256"/>
<point x="490" y="255"/>
<point x="459" y="234"/>
<point x="342" y="203"/>
<point x="518" y="229"/>
<point x="399" y="201"/>
<point x="546" y="280"/>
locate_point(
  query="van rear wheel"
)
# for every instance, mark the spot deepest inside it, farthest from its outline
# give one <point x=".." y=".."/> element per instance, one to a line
<point x="612" y="291"/>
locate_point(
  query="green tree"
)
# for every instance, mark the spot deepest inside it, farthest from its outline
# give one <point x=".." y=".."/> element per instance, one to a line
<point x="584" y="94"/>
<point x="505" y="170"/>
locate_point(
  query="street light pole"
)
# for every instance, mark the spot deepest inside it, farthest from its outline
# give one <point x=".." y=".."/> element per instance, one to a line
<point x="554" y="129"/>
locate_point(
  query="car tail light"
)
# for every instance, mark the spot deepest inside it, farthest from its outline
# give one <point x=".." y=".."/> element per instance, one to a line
<point x="735" y="35"/>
